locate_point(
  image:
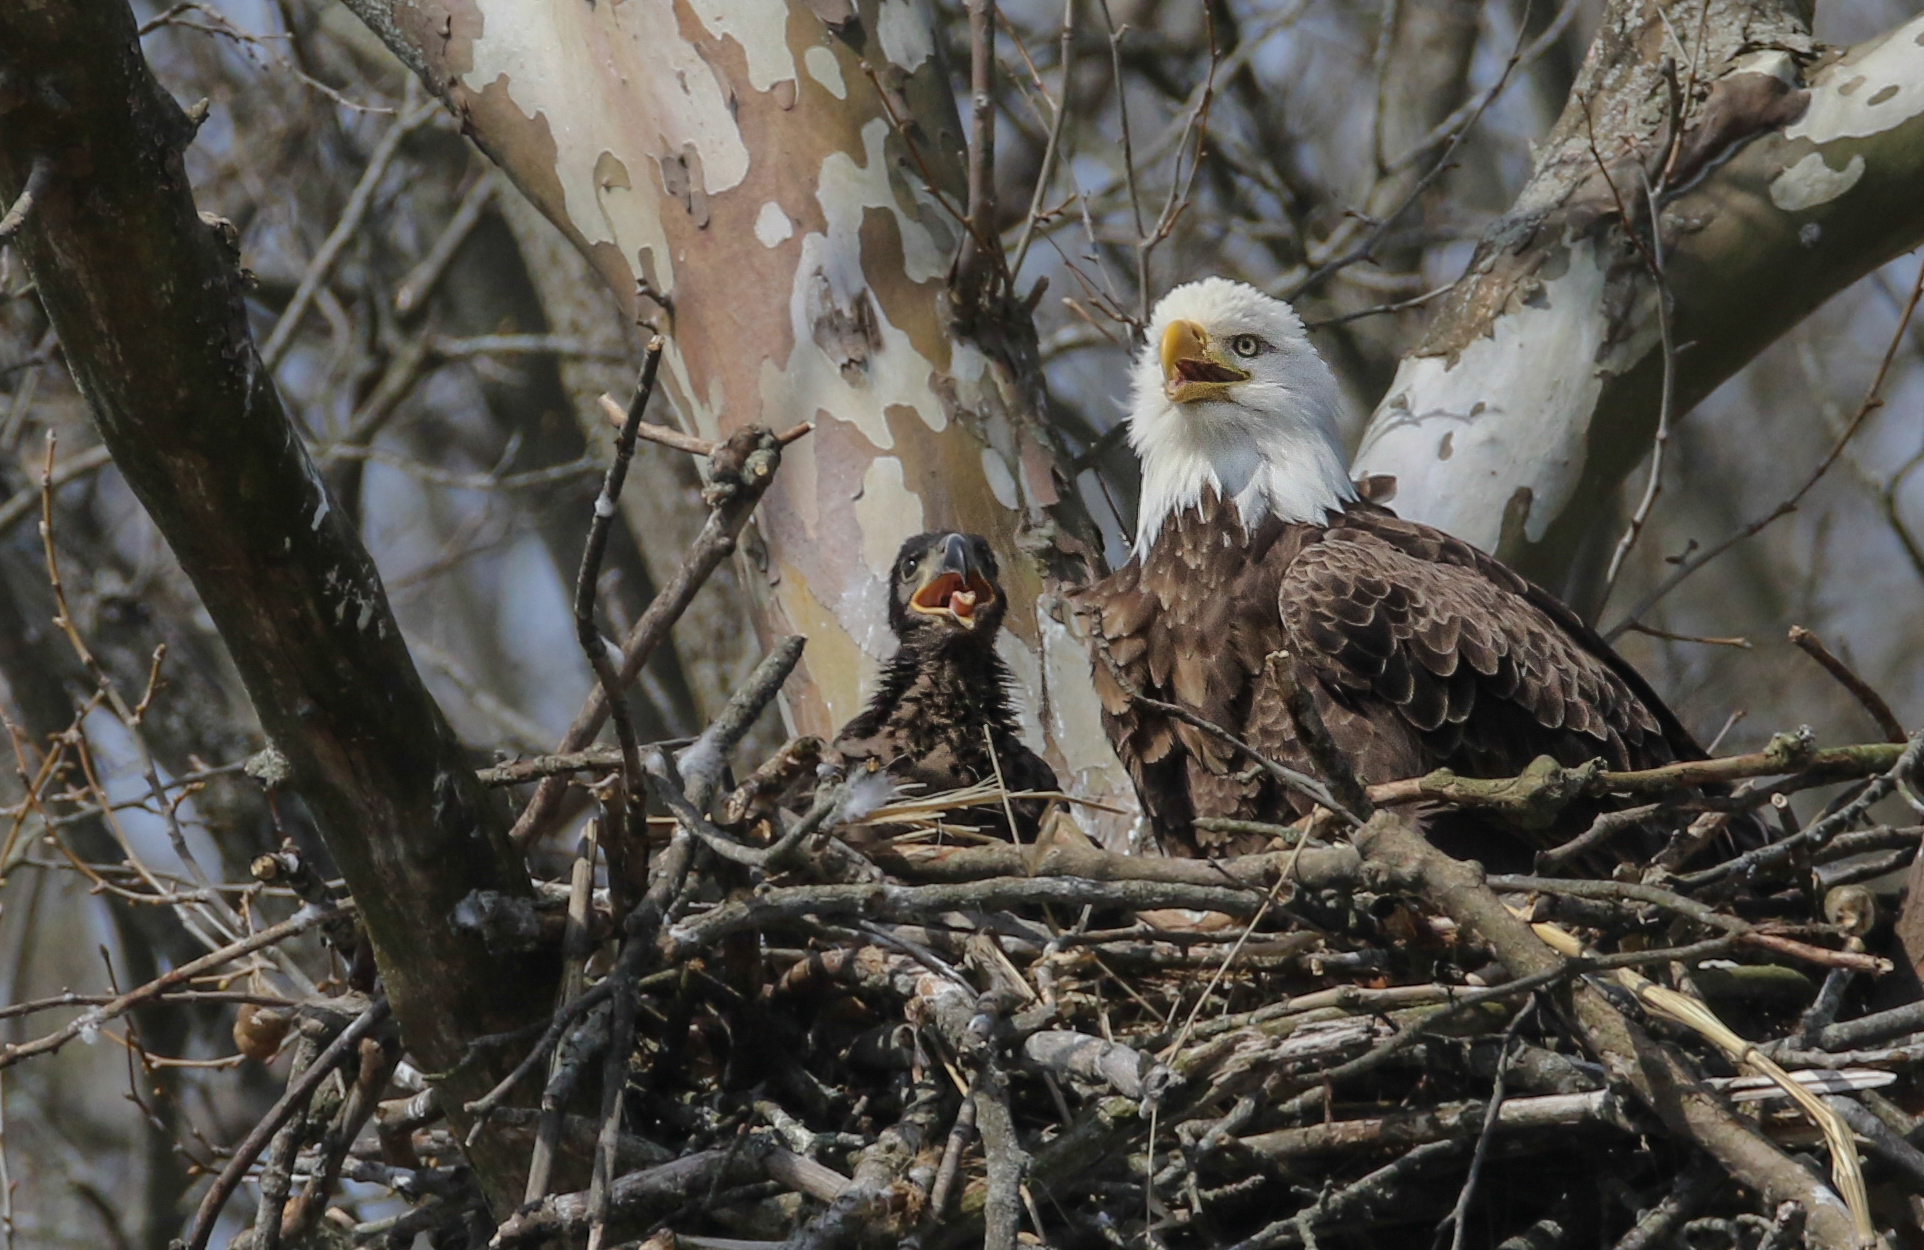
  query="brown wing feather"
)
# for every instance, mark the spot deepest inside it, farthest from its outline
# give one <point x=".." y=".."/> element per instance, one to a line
<point x="1488" y="671"/>
<point x="1605" y="681"/>
<point x="1418" y="649"/>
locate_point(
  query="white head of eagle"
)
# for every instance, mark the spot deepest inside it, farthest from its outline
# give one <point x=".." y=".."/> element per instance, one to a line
<point x="1229" y="393"/>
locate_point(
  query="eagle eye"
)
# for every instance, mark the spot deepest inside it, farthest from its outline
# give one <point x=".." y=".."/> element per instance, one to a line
<point x="1246" y="345"/>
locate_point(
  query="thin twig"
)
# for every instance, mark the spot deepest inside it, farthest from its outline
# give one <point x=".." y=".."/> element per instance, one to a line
<point x="980" y="242"/>
<point x="1873" y="400"/>
<point x="574" y="954"/>
<point x="1046" y="174"/>
<point x="1653" y="485"/>
<point x="1816" y="834"/>
<point x="117" y="1007"/>
<point x="586" y="633"/>
<point x="1638" y="627"/>
<point x="1813" y="646"/>
<point x="289" y="1103"/>
<point x="1457" y="1221"/>
<point x="693" y="444"/>
<point x="27" y="501"/>
<point x="421" y="281"/>
<point x="345" y="229"/>
<point x="742" y="470"/>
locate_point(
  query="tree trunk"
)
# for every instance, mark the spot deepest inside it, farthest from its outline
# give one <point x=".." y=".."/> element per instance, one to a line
<point x="739" y="182"/>
<point x="1535" y="391"/>
<point x="146" y="300"/>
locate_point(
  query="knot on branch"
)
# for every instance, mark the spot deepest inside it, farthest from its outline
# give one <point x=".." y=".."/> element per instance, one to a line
<point x="1533" y="799"/>
<point x="746" y="460"/>
<point x="1791" y="750"/>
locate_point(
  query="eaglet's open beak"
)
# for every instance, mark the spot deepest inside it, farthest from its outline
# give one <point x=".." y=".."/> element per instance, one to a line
<point x="1192" y="367"/>
<point x="953" y="584"/>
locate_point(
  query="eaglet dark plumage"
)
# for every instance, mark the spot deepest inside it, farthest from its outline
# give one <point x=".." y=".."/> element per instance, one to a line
<point x="941" y="718"/>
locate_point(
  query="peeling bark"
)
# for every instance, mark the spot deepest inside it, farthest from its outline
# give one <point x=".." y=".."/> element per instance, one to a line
<point x="1536" y="389"/>
<point x="733" y="171"/>
<point x="146" y="300"/>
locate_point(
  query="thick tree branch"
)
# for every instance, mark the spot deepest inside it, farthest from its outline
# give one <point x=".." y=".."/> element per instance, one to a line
<point x="147" y="303"/>
<point x="1652" y="1072"/>
<point x="1788" y="188"/>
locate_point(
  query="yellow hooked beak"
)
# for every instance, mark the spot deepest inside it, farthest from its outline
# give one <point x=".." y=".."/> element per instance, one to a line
<point x="1192" y="368"/>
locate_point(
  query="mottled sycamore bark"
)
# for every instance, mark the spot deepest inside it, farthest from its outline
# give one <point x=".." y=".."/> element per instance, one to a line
<point x="1535" y="390"/>
<point x="144" y="295"/>
<point x="772" y="185"/>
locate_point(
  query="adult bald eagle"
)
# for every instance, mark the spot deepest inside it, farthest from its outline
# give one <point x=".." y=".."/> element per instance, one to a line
<point x="1419" y="650"/>
<point x="942" y="717"/>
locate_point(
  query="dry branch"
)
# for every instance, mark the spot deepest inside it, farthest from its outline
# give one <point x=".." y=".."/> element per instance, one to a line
<point x="149" y="309"/>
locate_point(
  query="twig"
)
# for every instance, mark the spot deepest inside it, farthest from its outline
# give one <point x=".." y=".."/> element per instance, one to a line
<point x="1542" y="790"/>
<point x="1366" y="250"/>
<point x="1873" y="400"/>
<point x="377" y="1066"/>
<point x="1816" y="834"/>
<point x="1046" y="174"/>
<point x="424" y="277"/>
<point x="1457" y="1220"/>
<point x="1813" y="646"/>
<point x="1607" y="825"/>
<point x="1638" y="627"/>
<point x="117" y="1007"/>
<point x="980" y="248"/>
<point x="693" y="444"/>
<point x="1377" y="310"/>
<point x="1692" y="1190"/>
<point x="1877" y="1027"/>
<point x="536" y="767"/>
<point x="6" y="1179"/>
<point x="345" y="229"/>
<point x="484" y="1106"/>
<point x="470" y="346"/>
<point x="1319" y="867"/>
<point x="296" y="1096"/>
<point x="38" y="177"/>
<point x="951" y="1165"/>
<point x="1128" y="160"/>
<point x="703" y="763"/>
<point x="27" y="501"/>
<point x="742" y="468"/>
<point x="574" y="954"/>
<point x="586" y="632"/>
<point x="656" y="1190"/>
<point x="277" y="1167"/>
<point x="1354" y="1198"/>
<point x="1655" y="1075"/>
<point x="614" y="1083"/>
<point x="1003" y="1157"/>
<point x="1682" y="1009"/>
<point x="772" y="907"/>
<point x="1693" y="910"/>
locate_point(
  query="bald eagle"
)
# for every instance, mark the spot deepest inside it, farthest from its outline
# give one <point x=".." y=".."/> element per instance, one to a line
<point x="1418" y="650"/>
<point x="941" y="717"/>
